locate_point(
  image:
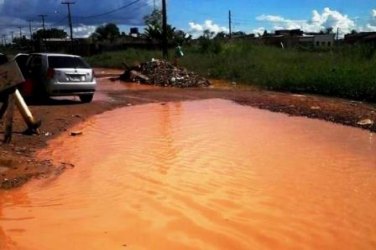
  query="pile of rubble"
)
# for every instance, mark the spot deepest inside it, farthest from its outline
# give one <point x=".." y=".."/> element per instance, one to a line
<point x="163" y="73"/>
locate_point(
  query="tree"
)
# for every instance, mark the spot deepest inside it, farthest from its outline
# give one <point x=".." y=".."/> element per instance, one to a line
<point x="328" y="30"/>
<point x="220" y="35"/>
<point x="154" y="31"/>
<point x="207" y="34"/>
<point x="180" y="37"/>
<point x="21" y="42"/>
<point x="109" y="32"/>
<point x="239" y="34"/>
<point x="209" y="45"/>
<point x="154" y="20"/>
<point x="49" y="33"/>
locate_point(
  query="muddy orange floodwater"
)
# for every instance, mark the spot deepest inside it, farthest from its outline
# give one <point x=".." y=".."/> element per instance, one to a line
<point x="200" y="175"/>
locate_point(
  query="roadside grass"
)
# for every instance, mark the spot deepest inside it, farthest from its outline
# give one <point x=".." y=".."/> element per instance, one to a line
<point x="348" y="72"/>
<point x="116" y="59"/>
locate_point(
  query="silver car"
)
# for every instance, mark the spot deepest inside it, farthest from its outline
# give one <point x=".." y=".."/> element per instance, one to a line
<point x="60" y="75"/>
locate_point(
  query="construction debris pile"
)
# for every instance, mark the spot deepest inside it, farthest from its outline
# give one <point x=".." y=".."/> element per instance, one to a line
<point x="163" y="73"/>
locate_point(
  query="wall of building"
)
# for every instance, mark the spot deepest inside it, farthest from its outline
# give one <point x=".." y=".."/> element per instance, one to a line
<point x="324" y="40"/>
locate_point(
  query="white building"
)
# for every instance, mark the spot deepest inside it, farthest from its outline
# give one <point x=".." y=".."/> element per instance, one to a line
<point x="323" y="40"/>
<point x="318" y="40"/>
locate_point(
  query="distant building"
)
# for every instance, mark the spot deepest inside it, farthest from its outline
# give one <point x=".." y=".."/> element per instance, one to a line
<point x="307" y="40"/>
<point x="296" y="37"/>
<point x="314" y="39"/>
<point x="361" y="37"/>
<point x="276" y="40"/>
<point x="323" y="40"/>
<point x="236" y="36"/>
<point x="289" y="33"/>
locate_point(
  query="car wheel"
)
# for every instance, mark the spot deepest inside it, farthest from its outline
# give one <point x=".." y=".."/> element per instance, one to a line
<point x="86" y="98"/>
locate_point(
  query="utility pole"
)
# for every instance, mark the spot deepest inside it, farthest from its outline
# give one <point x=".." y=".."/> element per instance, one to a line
<point x="44" y="27"/>
<point x="31" y="33"/>
<point x="20" y="31"/>
<point x="229" y="24"/>
<point x="69" y="18"/>
<point x="12" y="33"/>
<point x="164" y="30"/>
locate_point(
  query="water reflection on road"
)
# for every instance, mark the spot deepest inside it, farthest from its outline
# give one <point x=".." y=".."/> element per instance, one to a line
<point x="200" y="175"/>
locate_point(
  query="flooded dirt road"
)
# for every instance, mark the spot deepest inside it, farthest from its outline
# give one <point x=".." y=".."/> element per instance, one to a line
<point x="206" y="174"/>
<point x="18" y="164"/>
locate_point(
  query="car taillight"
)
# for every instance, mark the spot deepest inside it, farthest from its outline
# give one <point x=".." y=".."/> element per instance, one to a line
<point x="26" y="88"/>
<point x="50" y="73"/>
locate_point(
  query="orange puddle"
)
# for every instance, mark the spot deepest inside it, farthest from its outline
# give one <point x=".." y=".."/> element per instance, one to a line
<point x="200" y="175"/>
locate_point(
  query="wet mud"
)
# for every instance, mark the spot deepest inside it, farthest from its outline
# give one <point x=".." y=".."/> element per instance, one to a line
<point x="208" y="174"/>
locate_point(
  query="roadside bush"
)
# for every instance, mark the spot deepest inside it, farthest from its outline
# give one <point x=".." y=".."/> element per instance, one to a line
<point x="210" y="46"/>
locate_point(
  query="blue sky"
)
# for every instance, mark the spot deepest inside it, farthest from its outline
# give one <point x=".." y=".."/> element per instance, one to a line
<point x="256" y="15"/>
<point x="193" y="16"/>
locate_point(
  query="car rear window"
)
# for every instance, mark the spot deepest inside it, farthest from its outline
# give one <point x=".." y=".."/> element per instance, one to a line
<point x="67" y="62"/>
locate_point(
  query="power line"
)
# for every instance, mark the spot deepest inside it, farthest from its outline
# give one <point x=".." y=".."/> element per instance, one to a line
<point x="44" y="24"/>
<point x="111" y="11"/>
<point x="58" y="22"/>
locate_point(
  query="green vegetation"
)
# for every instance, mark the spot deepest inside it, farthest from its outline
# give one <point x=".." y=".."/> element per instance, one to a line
<point x="154" y="31"/>
<point x="348" y="71"/>
<point x="48" y="33"/>
<point x="108" y="32"/>
<point x="117" y="59"/>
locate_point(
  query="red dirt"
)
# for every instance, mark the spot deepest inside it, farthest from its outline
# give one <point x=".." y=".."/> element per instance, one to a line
<point x="17" y="162"/>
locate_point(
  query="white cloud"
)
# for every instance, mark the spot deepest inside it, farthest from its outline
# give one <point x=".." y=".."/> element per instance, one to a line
<point x="271" y="18"/>
<point x="83" y="31"/>
<point x="197" y="29"/>
<point x="319" y="21"/>
<point x="371" y="26"/>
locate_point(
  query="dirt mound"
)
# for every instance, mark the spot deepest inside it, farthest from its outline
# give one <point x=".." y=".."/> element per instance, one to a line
<point x="163" y="73"/>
